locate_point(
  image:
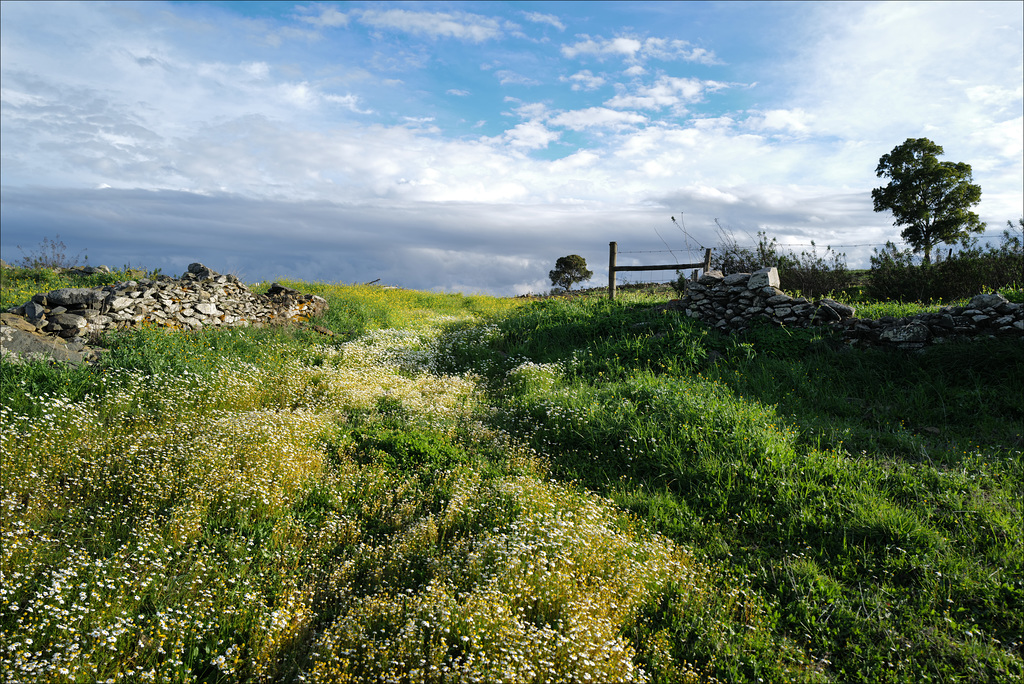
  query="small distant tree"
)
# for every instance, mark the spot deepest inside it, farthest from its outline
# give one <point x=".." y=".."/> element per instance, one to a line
<point x="569" y="270"/>
<point x="932" y="199"/>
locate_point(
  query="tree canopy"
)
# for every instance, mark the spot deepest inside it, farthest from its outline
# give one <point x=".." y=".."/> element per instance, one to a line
<point x="932" y="199"/>
<point x="568" y="270"/>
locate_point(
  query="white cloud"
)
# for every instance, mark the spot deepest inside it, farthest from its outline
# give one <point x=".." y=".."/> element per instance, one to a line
<point x="670" y="50"/>
<point x="329" y="17"/>
<point x="784" y="120"/>
<point x="621" y="46"/>
<point x="634" y="49"/>
<point x="539" y="18"/>
<point x="1004" y="138"/>
<point x="529" y="110"/>
<point x="298" y="94"/>
<point x="507" y="77"/>
<point x="667" y="91"/>
<point x="349" y="102"/>
<point x="597" y="117"/>
<point x="18" y="98"/>
<point x="473" y="28"/>
<point x="584" y="159"/>
<point x="275" y="38"/>
<point x="584" y="80"/>
<point x="257" y="70"/>
<point x="530" y="135"/>
<point x="995" y="96"/>
<point x="875" y="74"/>
<point x="458" y="92"/>
<point x="305" y="96"/>
<point x="871" y="70"/>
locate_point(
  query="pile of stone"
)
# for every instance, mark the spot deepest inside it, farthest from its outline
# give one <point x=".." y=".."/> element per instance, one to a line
<point x="201" y="297"/>
<point x="985" y="315"/>
<point x="736" y="301"/>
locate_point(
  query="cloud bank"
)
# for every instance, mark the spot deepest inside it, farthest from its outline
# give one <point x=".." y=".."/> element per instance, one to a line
<point x="467" y="148"/>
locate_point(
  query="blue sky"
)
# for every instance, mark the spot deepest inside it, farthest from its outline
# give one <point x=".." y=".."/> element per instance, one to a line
<point x="466" y="146"/>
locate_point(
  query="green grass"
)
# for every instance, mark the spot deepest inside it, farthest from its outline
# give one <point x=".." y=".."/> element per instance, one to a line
<point x="18" y="285"/>
<point x="459" y="487"/>
<point x="872" y="498"/>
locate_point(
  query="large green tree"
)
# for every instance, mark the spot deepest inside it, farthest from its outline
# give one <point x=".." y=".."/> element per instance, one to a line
<point x="568" y="270"/>
<point x="932" y="199"/>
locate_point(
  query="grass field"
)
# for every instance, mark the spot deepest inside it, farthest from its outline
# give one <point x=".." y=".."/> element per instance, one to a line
<point x="479" y="489"/>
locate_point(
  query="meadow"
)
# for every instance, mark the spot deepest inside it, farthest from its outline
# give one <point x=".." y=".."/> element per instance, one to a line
<point x="467" y="488"/>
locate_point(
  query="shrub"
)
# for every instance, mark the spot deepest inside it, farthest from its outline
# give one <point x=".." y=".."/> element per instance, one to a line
<point x="897" y="275"/>
<point x="49" y="254"/>
<point x="808" y="273"/>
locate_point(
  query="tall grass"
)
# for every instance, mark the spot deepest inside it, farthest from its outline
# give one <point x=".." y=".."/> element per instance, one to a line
<point x="872" y="499"/>
<point x="467" y="488"/>
<point x="247" y="505"/>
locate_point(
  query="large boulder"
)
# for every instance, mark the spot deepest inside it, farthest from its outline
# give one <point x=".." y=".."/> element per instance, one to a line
<point x="20" y="346"/>
<point x="76" y="296"/>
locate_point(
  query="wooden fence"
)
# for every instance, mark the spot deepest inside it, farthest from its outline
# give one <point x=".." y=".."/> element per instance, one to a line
<point x="613" y="250"/>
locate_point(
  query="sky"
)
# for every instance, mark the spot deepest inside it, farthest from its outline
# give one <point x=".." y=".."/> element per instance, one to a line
<point x="465" y="146"/>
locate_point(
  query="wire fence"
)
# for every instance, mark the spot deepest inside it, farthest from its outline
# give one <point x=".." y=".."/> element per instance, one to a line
<point x="777" y="244"/>
<point x="653" y="277"/>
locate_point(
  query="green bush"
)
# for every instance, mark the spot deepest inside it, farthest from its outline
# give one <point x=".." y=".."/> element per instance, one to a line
<point x="808" y="273"/>
<point x="897" y="275"/>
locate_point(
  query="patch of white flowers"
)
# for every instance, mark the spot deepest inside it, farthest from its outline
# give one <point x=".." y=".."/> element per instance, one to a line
<point x="181" y="524"/>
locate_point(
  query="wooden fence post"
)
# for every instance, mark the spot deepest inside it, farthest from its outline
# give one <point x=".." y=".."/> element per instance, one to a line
<point x="613" y="249"/>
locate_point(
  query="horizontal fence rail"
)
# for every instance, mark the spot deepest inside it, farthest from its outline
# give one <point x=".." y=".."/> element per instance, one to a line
<point x="613" y="251"/>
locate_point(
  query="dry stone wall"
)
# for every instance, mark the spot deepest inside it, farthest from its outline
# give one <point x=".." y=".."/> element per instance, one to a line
<point x="734" y="302"/>
<point x="200" y="297"/>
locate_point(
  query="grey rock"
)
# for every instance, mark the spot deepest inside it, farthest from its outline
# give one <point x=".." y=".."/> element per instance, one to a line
<point x="766" y="277"/>
<point x="74" y="296"/>
<point x="736" y="279"/>
<point x="726" y="303"/>
<point x="67" y="320"/>
<point x="826" y="314"/>
<point x="912" y="332"/>
<point x="208" y="309"/>
<point x="710" y="278"/>
<point x="120" y="303"/>
<point x="19" y="346"/>
<point x="986" y="301"/>
<point x="843" y="310"/>
<point x="34" y="311"/>
<point x="16" y="321"/>
<point x="201" y="272"/>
